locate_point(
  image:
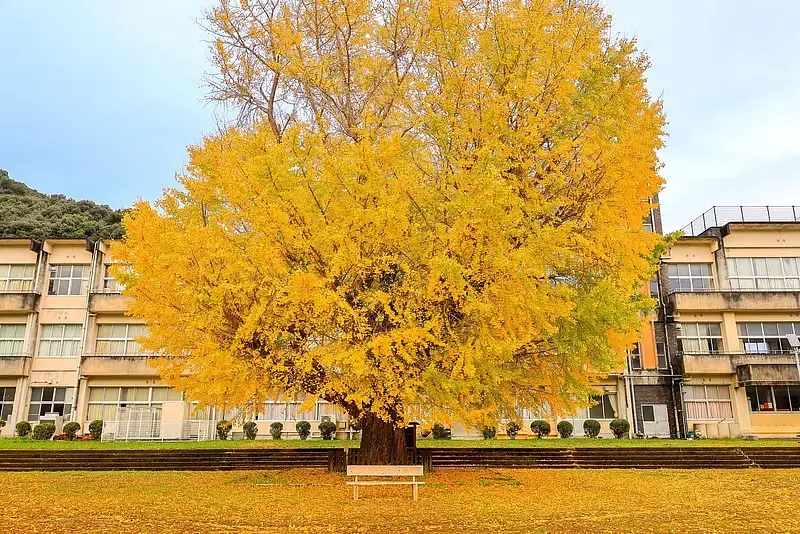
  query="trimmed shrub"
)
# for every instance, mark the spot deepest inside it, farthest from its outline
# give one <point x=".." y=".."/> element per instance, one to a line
<point x="619" y="427"/>
<point x="440" y="431"/>
<point x="489" y="432"/>
<point x="43" y="431"/>
<point x="565" y="429"/>
<point x="70" y="429"/>
<point x="591" y="428"/>
<point x="327" y="429"/>
<point x="223" y="429"/>
<point x="250" y="430"/>
<point x="2" y="423"/>
<point x="512" y="428"/>
<point x="23" y="428"/>
<point x="96" y="429"/>
<point x="276" y="429"/>
<point x="303" y="429"/>
<point x="540" y="428"/>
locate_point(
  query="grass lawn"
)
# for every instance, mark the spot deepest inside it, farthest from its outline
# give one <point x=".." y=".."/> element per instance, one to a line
<point x="26" y="443"/>
<point x="314" y="501"/>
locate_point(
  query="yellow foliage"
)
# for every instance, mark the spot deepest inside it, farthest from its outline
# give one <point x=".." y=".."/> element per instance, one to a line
<point x="431" y="204"/>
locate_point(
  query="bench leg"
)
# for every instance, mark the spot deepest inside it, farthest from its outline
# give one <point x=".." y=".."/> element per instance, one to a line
<point x="355" y="491"/>
<point x="415" y="490"/>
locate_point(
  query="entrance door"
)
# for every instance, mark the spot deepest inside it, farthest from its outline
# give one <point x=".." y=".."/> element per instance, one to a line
<point x="656" y="420"/>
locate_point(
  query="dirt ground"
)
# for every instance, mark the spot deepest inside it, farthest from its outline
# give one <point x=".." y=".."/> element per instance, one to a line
<point x="313" y="501"/>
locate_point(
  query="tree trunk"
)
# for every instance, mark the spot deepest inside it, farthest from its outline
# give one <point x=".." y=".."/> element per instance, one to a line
<point x="381" y="442"/>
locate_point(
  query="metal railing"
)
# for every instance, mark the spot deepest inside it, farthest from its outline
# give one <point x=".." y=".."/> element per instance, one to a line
<point x="737" y="290"/>
<point x="157" y="430"/>
<point x="719" y="216"/>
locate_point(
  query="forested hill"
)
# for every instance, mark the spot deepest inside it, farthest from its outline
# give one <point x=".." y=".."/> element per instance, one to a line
<point x="25" y="212"/>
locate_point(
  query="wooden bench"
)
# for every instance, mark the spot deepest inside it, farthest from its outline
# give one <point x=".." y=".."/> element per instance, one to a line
<point x="412" y="471"/>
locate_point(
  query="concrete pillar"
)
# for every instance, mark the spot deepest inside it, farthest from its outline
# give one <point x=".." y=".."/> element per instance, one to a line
<point x="721" y="263"/>
<point x="81" y="408"/>
<point x="730" y="332"/>
<point x="741" y="410"/>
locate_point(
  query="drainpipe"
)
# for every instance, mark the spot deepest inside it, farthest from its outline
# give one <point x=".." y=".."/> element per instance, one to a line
<point x="629" y="385"/>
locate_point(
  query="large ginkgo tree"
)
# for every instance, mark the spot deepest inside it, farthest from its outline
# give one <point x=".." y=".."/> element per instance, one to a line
<point x="427" y="210"/>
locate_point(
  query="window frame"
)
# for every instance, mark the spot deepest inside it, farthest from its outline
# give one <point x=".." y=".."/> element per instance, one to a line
<point x="127" y="340"/>
<point x="7" y="402"/>
<point x="13" y="340"/>
<point x="76" y="341"/>
<point x="6" y="279"/>
<point x="701" y="340"/>
<point x="67" y="404"/>
<point x="706" y="401"/>
<point x="119" y="402"/>
<point x="768" y="341"/>
<point x="54" y="279"/>
<point x="755" y="401"/>
<point x="695" y="281"/>
<point x="769" y="281"/>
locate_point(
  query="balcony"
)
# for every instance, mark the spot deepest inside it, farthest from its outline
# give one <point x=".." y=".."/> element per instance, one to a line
<point x="108" y="301"/>
<point x="733" y="300"/>
<point x="719" y="216"/>
<point x="14" y="365"/>
<point x="122" y="365"/>
<point x="19" y="301"/>
<point x="749" y="368"/>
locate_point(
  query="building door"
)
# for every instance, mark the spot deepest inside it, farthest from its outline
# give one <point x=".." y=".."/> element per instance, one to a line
<point x="656" y="420"/>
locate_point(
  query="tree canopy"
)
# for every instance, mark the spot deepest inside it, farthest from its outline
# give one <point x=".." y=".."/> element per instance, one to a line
<point x="25" y="212"/>
<point x="430" y="210"/>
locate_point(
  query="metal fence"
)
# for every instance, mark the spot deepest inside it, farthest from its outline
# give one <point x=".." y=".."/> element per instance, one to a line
<point x="721" y="215"/>
<point x="158" y="430"/>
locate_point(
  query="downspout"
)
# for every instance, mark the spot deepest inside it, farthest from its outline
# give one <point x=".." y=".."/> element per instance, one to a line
<point x="629" y="384"/>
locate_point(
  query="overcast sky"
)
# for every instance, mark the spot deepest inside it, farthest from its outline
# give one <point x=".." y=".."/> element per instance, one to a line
<point x="98" y="99"/>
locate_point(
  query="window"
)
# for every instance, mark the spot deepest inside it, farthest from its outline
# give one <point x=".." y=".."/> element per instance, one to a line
<point x="661" y="355"/>
<point x="647" y="223"/>
<point x="6" y="402"/>
<point x="110" y="284"/>
<point x="635" y="357"/>
<point x="50" y="400"/>
<point x="290" y="411"/>
<point x="602" y="409"/>
<point x="766" y="338"/>
<point x="773" y="398"/>
<point x="17" y="277"/>
<point x="690" y="276"/>
<point x="68" y="280"/>
<point x="700" y="338"/>
<point x="105" y="402"/>
<point x="654" y="293"/>
<point x="12" y="339"/>
<point x="119" y="339"/>
<point x="764" y="273"/>
<point x="648" y="413"/>
<point x="60" y="341"/>
<point x="708" y="402"/>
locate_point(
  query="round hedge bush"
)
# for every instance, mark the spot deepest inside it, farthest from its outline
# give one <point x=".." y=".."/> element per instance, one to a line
<point x="43" y="431"/>
<point x="489" y="432"/>
<point x="223" y="429"/>
<point x="303" y="429"/>
<point x="23" y="428"/>
<point x="250" y="430"/>
<point x="440" y="431"/>
<point x="591" y="428"/>
<point x="565" y="429"/>
<point x="71" y="429"/>
<point x="512" y="428"/>
<point x="276" y="429"/>
<point x="327" y="429"/>
<point x="96" y="429"/>
<point x="540" y="428"/>
<point x="619" y="427"/>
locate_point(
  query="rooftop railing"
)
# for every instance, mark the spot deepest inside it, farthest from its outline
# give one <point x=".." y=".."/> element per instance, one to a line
<point x="719" y="216"/>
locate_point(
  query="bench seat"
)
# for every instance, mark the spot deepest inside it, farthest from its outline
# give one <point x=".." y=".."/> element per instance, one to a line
<point x="385" y="471"/>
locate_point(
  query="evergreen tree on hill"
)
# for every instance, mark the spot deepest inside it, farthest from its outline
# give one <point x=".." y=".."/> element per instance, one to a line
<point x="25" y="212"/>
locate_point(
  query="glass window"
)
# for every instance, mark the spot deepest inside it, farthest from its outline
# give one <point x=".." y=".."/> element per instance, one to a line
<point x="50" y="400"/>
<point x="119" y="339"/>
<point x="765" y="338"/>
<point x="690" y="276"/>
<point x="648" y="413"/>
<point x="6" y="402"/>
<point x="654" y="289"/>
<point x="700" y="338"/>
<point x="764" y="273"/>
<point x="708" y="402"/>
<point x="17" y="277"/>
<point x="661" y="355"/>
<point x="105" y="402"/>
<point x="60" y="341"/>
<point x="68" y="280"/>
<point x="603" y="409"/>
<point x="773" y="398"/>
<point x="12" y="339"/>
<point x="635" y="357"/>
<point x="110" y="284"/>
